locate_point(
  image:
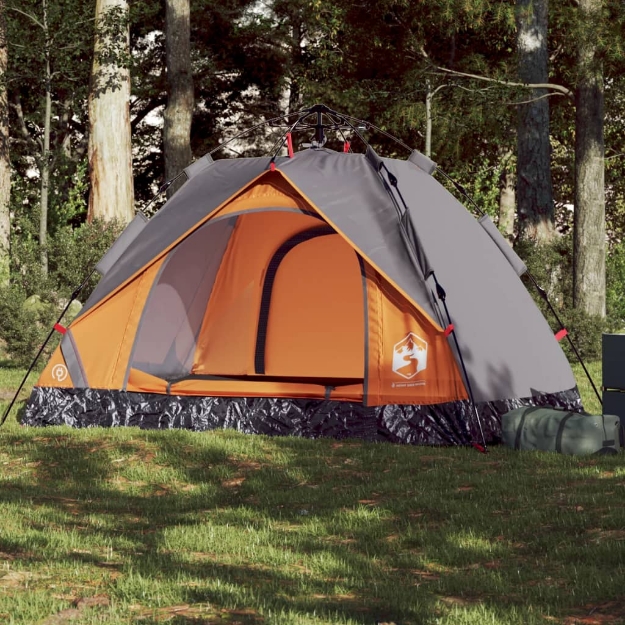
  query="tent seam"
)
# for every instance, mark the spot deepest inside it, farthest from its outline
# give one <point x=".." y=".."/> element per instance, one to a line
<point x="169" y="248"/>
<point x="359" y="251"/>
<point x="132" y="348"/>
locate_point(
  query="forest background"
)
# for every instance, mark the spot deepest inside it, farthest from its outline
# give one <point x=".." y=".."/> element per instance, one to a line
<point x="521" y="102"/>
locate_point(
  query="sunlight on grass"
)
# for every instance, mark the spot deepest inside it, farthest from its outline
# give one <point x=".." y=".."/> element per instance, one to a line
<point x="474" y="544"/>
<point x="589" y="397"/>
<point x="220" y="527"/>
<point x="225" y="527"/>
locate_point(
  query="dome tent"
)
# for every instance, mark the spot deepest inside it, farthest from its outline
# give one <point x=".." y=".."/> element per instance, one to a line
<point x="322" y="293"/>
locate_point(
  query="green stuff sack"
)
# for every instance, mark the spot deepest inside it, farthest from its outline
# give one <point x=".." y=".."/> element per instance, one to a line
<point x="571" y="433"/>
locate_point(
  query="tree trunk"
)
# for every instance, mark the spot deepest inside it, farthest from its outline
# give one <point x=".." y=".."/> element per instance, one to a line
<point x="44" y="169"/>
<point x="507" y="199"/>
<point x="534" y="189"/>
<point x="5" y="163"/>
<point x="428" y="122"/>
<point x="589" y="224"/>
<point x="429" y="98"/>
<point x="179" y="110"/>
<point x="296" y="76"/>
<point x="297" y="61"/>
<point x="110" y="150"/>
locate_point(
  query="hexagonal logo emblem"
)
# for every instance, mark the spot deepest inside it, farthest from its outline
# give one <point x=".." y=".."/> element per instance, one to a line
<point x="410" y="356"/>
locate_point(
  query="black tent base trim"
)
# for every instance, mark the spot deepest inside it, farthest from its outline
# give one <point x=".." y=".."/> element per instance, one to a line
<point x="452" y="423"/>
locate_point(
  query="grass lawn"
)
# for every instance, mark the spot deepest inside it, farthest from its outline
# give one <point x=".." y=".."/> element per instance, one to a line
<point x="129" y="526"/>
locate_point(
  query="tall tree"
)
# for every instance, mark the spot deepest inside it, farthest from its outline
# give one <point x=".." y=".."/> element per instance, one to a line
<point x="5" y="163"/>
<point x="179" y="109"/>
<point x="48" y="73"/>
<point x="507" y="197"/>
<point x="589" y="238"/>
<point x="44" y="157"/>
<point x="45" y="153"/>
<point x="110" y="151"/>
<point x="534" y="188"/>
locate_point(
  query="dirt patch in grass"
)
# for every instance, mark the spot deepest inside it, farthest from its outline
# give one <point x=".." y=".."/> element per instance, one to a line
<point x="370" y="502"/>
<point x="492" y="565"/>
<point x="598" y="535"/>
<point x="186" y="613"/>
<point x="456" y="601"/>
<point x="19" y="579"/>
<point x="80" y="606"/>
<point x="337" y="540"/>
<point x="424" y="575"/>
<point x="249" y="465"/>
<point x="610" y="612"/>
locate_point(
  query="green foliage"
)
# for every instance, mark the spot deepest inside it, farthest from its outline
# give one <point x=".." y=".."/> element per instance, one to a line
<point x="251" y="61"/>
<point x="552" y="267"/>
<point x="615" y="286"/>
<point x="111" y="33"/>
<point x="590" y="401"/>
<point x="24" y="324"/>
<point x="30" y="306"/>
<point x="585" y="331"/>
<point x="68" y="200"/>
<point x="50" y="53"/>
<point x="74" y="252"/>
<point x="482" y="183"/>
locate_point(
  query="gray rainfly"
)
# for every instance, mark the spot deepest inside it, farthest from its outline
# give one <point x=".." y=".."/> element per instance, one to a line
<point x="322" y="293"/>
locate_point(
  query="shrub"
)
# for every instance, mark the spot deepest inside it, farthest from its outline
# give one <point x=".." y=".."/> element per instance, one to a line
<point x="615" y="286"/>
<point x="552" y="267"/>
<point x="585" y="332"/>
<point x="74" y="252"/>
<point x="32" y="304"/>
<point x="24" y="324"/>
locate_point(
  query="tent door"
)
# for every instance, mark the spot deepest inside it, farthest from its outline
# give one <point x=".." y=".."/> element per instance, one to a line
<point x="314" y="323"/>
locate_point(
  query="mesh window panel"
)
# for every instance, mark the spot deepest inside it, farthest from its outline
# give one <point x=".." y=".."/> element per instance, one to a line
<point x="175" y="308"/>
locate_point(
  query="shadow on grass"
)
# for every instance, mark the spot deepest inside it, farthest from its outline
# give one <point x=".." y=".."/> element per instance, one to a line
<point x="74" y="481"/>
<point x="346" y="531"/>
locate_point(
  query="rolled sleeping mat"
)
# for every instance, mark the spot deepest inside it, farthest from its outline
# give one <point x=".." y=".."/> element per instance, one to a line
<point x="571" y="433"/>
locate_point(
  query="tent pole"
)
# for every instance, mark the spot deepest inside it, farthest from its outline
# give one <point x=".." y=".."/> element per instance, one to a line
<point x="248" y="130"/>
<point x="280" y="142"/>
<point x="74" y="295"/>
<point x="394" y="183"/>
<point x="540" y="290"/>
<point x="440" y="292"/>
<point x="543" y="294"/>
<point x="43" y="346"/>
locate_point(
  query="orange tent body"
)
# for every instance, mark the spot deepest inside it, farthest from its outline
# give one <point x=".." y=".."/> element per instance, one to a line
<point x="279" y="309"/>
<point x="313" y="337"/>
